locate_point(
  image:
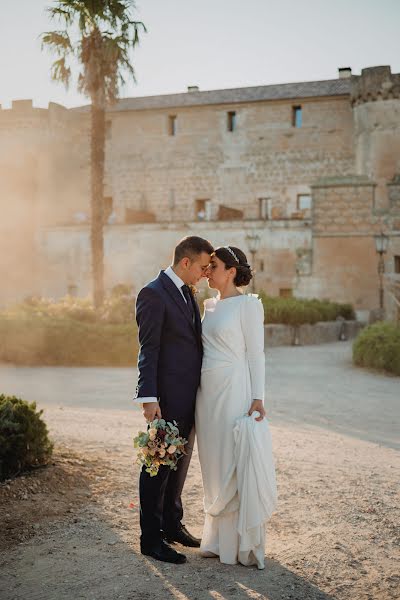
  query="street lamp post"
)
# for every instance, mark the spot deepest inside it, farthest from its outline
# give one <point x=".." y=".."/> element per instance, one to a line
<point x="381" y="245"/>
<point x="253" y="241"/>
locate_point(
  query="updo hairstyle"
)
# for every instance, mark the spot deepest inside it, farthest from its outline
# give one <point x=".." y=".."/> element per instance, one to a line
<point x="234" y="257"/>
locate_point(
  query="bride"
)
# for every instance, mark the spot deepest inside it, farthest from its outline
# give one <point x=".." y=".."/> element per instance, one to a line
<point x="232" y="434"/>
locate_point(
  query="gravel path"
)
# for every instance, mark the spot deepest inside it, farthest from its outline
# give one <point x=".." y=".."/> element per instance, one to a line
<point x="313" y="385"/>
<point x="335" y="534"/>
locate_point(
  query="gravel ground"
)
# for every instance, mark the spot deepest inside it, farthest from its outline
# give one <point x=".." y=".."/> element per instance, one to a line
<point x="335" y="534"/>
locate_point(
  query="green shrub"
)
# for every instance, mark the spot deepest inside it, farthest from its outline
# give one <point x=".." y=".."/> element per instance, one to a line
<point x="118" y="308"/>
<point x="70" y="331"/>
<point x="24" y="441"/>
<point x="121" y="289"/>
<point x="33" y="340"/>
<point x="298" y="311"/>
<point x="378" y="346"/>
<point x="346" y="311"/>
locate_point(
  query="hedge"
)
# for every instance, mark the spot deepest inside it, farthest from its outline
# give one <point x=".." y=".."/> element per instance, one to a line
<point x="378" y="347"/>
<point x="71" y="332"/>
<point x="44" y="341"/>
<point x="298" y="311"/>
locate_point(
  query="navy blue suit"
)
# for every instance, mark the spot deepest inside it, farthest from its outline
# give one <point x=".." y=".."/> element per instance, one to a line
<point x="169" y="366"/>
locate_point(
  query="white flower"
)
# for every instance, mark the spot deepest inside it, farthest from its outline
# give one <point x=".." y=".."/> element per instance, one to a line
<point x="152" y="433"/>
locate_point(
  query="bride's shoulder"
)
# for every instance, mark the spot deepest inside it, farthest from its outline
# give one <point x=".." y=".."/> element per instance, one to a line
<point x="253" y="299"/>
<point x="210" y="302"/>
<point x="253" y="302"/>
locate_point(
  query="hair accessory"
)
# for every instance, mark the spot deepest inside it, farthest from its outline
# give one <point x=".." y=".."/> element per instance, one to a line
<point x="233" y="254"/>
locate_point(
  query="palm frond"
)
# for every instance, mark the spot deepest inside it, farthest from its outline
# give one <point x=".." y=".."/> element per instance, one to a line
<point x="107" y="33"/>
<point x="58" y="41"/>
<point x="61" y="72"/>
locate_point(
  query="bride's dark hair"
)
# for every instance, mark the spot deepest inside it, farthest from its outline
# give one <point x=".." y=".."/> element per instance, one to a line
<point x="234" y="257"/>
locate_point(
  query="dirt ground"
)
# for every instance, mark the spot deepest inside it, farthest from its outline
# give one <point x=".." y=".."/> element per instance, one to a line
<point x="71" y="530"/>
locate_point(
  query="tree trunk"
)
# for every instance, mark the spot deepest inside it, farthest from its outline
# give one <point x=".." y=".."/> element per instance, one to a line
<point x="97" y="143"/>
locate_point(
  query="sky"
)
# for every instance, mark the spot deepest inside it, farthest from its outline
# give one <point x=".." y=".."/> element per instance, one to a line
<point x="214" y="44"/>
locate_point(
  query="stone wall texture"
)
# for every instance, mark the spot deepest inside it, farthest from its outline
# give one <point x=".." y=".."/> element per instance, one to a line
<point x="345" y="155"/>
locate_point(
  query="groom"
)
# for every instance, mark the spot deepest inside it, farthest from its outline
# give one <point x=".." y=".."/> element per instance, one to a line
<point x="169" y="366"/>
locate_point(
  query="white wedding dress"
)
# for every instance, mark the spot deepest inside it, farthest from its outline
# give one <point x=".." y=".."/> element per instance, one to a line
<point x="233" y="374"/>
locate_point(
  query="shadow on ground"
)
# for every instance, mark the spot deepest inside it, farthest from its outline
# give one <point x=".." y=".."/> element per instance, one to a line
<point x="88" y="559"/>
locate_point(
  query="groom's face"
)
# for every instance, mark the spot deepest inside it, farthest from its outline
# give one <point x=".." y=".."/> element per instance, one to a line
<point x="196" y="268"/>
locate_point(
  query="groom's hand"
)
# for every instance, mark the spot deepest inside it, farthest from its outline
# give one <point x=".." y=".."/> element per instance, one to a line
<point x="151" y="411"/>
<point x="257" y="405"/>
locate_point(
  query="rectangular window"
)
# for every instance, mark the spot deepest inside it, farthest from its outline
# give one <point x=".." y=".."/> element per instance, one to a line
<point x="297" y="116"/>
<point x="263" y="208"/>
<point x="172" y="125"/>
<point x="286" y="292"/>
<point x="397" y="264"/>
<point x="231" y="120"/>
<point x="303" y="202"/>
<point x="203" y="210"/>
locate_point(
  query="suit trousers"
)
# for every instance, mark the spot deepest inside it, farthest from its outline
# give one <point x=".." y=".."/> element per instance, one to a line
<point x="160" y="498"/>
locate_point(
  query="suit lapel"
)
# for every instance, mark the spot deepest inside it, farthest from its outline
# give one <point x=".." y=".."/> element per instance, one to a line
<point x="197" y="317"/>
<point x="175" y="294"/>
<point x="198" y="323"/>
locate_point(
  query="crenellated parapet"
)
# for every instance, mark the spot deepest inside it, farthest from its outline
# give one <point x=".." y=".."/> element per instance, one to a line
<point x="374" y="83"/>
<point x="24" y="117"/>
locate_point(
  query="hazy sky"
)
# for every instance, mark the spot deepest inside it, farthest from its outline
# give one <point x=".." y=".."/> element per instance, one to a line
<point x="213" y="44"/>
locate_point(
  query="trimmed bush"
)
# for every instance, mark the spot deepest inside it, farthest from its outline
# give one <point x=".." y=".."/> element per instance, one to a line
<point x="298" y="311"/>
<point x="378" y="346"/>
<point x="33" y="340"/>
<point x="70" y="331"/>
<point x="118" y="308"/>
<point x="24" y="441"/>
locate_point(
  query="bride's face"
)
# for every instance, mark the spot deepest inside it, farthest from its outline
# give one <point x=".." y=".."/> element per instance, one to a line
<point x="218" y="275"/>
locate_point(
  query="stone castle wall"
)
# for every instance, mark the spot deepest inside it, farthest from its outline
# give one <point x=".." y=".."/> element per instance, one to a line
<point x="264" y="157"/>
<point x="346" y="155"/>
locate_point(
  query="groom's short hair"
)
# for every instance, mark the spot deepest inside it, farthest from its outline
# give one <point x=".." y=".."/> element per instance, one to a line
<point x="191" y="247"/>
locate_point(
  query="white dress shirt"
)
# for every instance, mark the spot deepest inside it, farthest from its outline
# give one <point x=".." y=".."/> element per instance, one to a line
<point x="179" y="283"/>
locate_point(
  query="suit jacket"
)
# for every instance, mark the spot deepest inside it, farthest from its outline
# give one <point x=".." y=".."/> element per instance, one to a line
<point x="170" y="353"/>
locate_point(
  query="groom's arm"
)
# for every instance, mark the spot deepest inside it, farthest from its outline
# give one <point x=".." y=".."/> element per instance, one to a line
<point x="149" y="316"/>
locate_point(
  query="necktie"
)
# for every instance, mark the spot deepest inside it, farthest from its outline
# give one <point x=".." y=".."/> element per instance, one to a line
<point x="188" y="297"/>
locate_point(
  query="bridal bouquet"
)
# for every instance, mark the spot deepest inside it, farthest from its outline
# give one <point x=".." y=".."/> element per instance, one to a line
<point x="160" y="445"/>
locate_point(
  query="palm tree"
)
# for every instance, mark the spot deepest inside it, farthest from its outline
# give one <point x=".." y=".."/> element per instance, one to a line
<point x="99" y="35"/>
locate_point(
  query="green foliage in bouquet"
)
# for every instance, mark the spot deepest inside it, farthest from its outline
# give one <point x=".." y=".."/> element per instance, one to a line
<point x="24" y="441"/>
<point x="160" y="445"/>
<point x="378" y="347"/>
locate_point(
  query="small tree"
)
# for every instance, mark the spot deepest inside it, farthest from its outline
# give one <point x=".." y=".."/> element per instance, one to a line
<point x="99" y="34"/>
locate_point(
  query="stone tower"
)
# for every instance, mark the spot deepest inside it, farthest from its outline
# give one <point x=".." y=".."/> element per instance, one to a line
<point x="375" y="98"/>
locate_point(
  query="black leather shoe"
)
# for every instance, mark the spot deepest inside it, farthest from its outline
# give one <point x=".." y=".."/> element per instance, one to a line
<point x="164" y="553"/>
<point x="182" y="536"/>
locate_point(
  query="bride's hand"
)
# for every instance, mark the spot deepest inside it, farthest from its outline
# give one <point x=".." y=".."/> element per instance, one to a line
<point x="257" y="405"/>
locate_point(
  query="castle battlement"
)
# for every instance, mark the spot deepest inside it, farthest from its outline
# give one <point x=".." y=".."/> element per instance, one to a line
<point x="375" y="83"/>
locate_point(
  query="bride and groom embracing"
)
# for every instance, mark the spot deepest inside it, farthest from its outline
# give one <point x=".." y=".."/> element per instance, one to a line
<point x="206" y="374"/>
